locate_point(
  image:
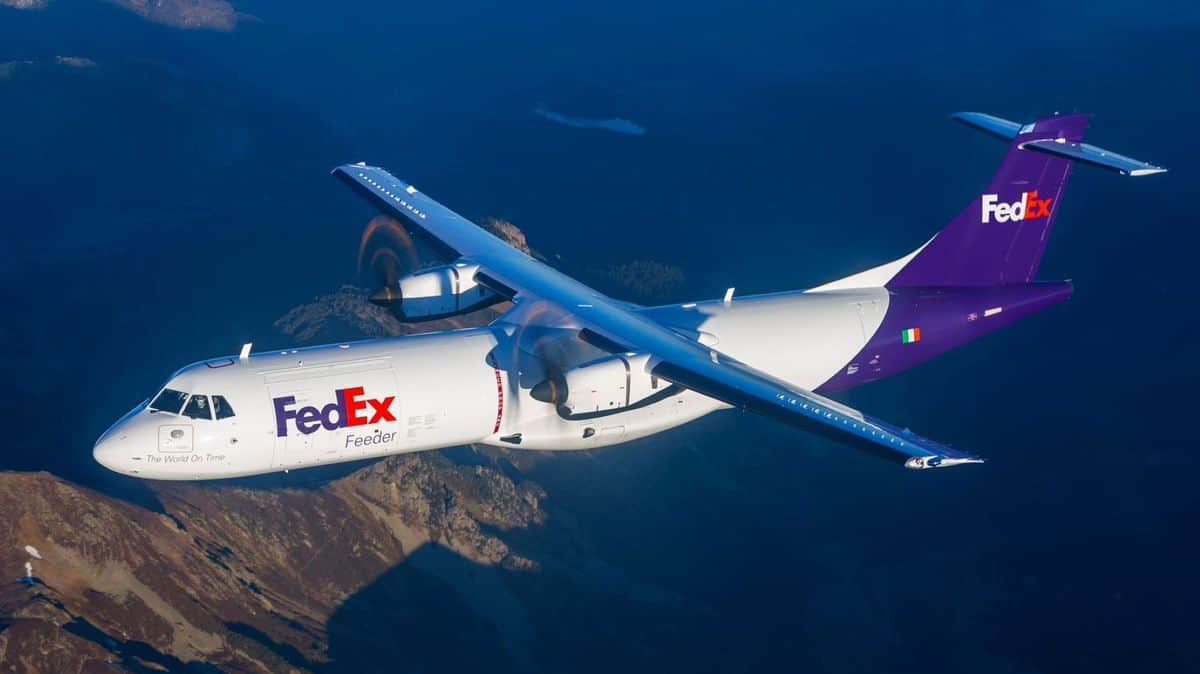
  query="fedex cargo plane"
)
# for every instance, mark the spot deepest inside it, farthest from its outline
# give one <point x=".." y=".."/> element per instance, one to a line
<point x="568" y="368"/>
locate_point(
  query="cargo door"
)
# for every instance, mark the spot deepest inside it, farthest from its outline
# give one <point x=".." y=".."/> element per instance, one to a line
<point x="334" y="413"/>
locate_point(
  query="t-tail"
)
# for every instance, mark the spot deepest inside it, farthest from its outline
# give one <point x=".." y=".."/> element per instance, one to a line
<point x="999" y="238"/>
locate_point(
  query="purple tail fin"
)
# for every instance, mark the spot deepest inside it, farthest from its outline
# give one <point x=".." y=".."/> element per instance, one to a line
<point x="999" y="238"/>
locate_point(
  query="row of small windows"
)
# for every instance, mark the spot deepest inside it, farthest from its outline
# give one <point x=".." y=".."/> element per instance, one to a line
<point x="196" y="406"/>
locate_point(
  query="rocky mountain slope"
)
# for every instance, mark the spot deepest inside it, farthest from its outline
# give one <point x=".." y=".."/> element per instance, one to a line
<point x="187" y="14"/>
<point x="243" y="578"/>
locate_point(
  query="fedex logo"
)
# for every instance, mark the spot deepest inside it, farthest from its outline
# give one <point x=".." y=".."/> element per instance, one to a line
<point x="1027" y="208"/>
<point x="350" y="409"/>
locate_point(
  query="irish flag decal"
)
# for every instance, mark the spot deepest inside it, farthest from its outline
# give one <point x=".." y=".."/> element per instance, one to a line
<point x="910" y="336"/>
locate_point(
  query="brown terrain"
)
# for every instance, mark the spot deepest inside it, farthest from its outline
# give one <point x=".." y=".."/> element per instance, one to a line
<point x="26" y="4"/>
<point x="187" y="14"/>
<point x="226" y="569"/>
<point x="190" y="14"/>
<point x="253" y="576"/>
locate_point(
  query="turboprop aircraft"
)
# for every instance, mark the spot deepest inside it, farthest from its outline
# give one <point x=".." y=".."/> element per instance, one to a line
<point x="568" y="368"/>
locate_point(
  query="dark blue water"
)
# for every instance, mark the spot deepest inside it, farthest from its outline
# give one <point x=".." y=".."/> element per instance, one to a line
<point x="167" y="204"/>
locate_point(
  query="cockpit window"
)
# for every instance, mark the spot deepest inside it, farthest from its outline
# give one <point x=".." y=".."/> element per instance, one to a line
<point x="169" y="400"/>
<point x="221" y="407"/>
<point x="197" y="407"/>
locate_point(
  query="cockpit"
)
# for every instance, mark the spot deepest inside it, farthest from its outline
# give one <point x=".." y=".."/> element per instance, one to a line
<point x="188" y="429"/>
<point x="194" y="405"/>
<point x="178" y="434"/>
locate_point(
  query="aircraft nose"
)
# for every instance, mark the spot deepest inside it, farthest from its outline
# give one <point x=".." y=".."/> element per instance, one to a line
<point x="107" y="452"/>
<point x="117" y="450"/>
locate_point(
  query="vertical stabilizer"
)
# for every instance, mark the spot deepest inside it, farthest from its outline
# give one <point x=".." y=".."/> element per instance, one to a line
<point x="1000" y="236"/>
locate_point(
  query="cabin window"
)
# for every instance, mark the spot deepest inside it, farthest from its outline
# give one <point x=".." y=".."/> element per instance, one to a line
<point x="169" y="400"/>
<point x="197" y="408"/>
<point x="221" y="408"/>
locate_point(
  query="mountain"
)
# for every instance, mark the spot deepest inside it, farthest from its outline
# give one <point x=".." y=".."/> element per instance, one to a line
<point x="216" y="15"/>
<point x="243" y="578"/>
<point x="25" y="4"/>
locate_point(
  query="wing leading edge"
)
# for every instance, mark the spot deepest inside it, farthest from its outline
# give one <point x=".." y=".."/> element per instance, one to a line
<point x="673" y="357"/>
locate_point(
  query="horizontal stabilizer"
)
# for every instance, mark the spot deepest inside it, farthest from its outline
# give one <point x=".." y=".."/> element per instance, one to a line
<point x="1097" y="156"/>
<point x="1059" y="147"/>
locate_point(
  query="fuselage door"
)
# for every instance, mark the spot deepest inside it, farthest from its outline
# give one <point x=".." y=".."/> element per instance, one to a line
<point x="333" y="413"/>
<point x="295" y="448"/>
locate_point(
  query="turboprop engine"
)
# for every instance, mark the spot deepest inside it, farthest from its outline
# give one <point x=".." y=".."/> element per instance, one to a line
<point x="436" y="292"/>
<point x="605" y="384"/>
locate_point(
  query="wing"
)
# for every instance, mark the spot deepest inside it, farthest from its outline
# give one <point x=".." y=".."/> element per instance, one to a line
<point x="610" y="323"/>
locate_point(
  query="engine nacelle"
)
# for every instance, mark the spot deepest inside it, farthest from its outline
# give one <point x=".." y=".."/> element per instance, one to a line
<point x="437" y="292"/>
<point x="602" y="385"/>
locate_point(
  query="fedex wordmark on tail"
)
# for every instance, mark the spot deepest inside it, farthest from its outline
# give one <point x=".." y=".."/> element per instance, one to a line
<point x="1027" y="207"/>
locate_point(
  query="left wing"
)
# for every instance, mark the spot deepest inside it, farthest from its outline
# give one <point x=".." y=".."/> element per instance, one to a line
<point x="673" y="356"/>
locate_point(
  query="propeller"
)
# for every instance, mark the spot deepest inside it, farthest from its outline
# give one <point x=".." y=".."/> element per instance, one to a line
<point x="543" y="339"/>
<point x="545" y="343"/>
<point x="385" y="253"/>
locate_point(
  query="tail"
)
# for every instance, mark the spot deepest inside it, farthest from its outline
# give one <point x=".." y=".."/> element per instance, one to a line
<point x="1000" y="236"/>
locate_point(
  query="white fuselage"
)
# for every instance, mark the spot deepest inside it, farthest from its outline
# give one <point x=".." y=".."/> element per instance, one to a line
<point x="230" y="417"/>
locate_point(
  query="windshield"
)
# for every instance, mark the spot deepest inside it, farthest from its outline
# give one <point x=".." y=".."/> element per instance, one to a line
<point x="197" y="407"/>
<point x="221" y="408"/>
<point x="169" y="400"/>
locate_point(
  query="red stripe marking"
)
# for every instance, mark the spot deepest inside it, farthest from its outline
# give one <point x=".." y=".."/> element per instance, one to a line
<point x="499" y="394"/>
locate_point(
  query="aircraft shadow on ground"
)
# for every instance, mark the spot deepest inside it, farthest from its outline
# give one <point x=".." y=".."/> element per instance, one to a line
<point x="393" y="623"/>
<point x="577" y="611"/>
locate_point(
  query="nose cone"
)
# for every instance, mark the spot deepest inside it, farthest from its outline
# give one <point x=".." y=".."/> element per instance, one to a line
<point x="110" y="452"/>
<point x="117" y="450"/>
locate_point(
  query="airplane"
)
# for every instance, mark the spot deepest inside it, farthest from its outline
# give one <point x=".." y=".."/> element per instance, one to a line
<point x="568" y="368"/>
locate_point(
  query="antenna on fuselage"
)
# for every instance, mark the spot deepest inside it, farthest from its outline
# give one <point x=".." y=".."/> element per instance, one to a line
<point x="245" y="351"/>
